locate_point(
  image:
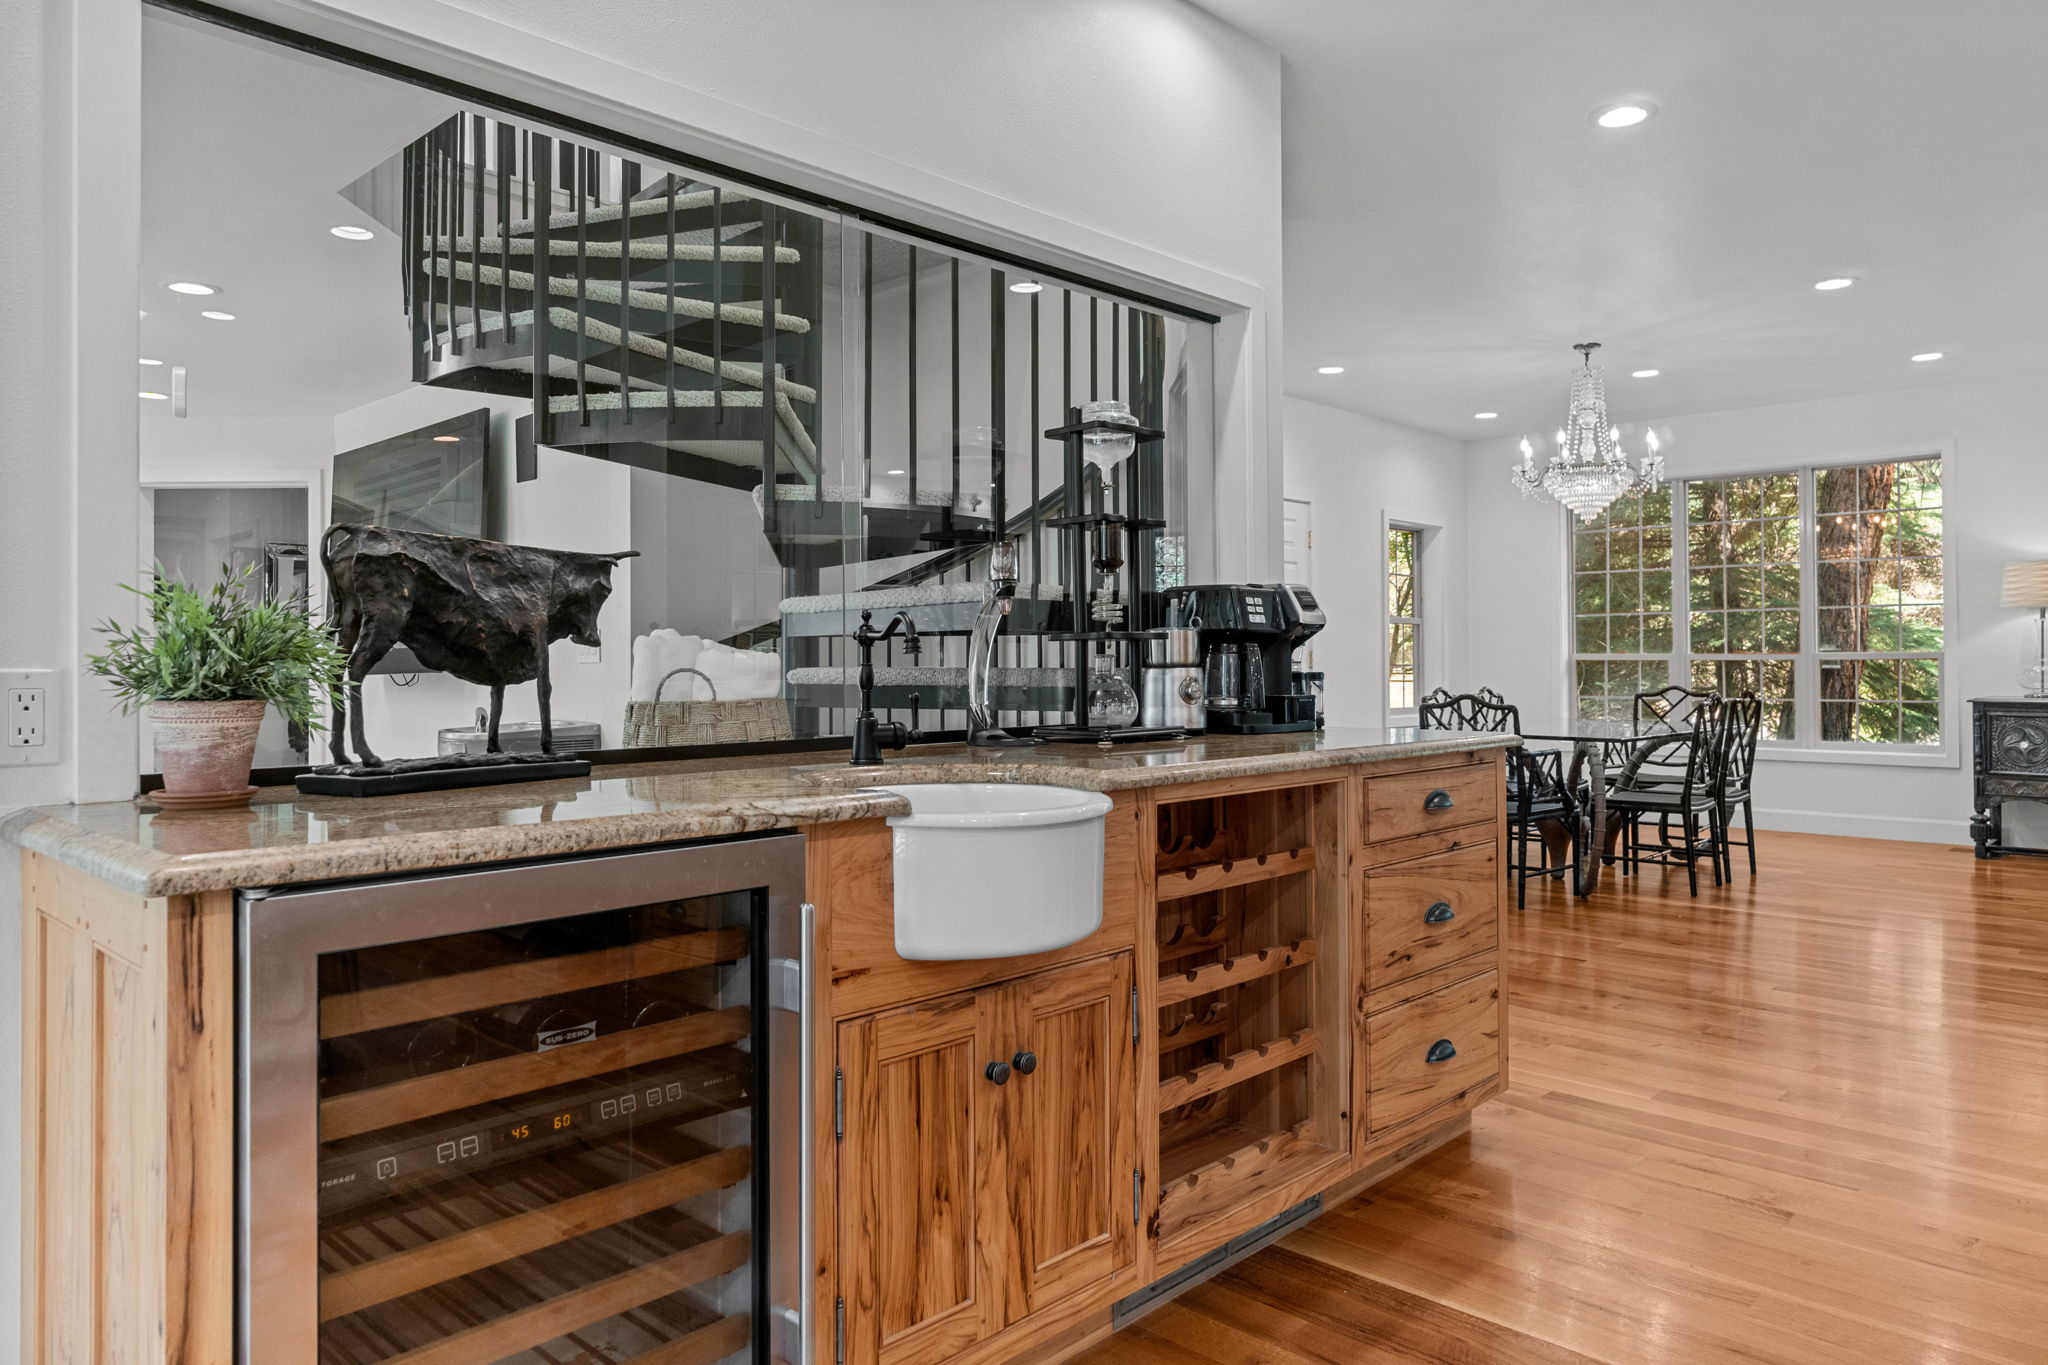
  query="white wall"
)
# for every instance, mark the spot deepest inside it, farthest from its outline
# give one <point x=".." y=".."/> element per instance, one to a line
<point x="1996" y="499"/>
<point x="1359" y="473"/>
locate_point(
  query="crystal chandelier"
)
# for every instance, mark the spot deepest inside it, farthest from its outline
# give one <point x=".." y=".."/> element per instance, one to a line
<point x="1591" y="470"/>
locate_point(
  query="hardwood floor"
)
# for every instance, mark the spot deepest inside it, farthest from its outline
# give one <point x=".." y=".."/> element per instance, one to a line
<point x="1800" y="1120"/>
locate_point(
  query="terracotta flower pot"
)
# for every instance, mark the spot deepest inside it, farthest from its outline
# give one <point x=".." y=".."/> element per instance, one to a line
<point x="205" y="747"/>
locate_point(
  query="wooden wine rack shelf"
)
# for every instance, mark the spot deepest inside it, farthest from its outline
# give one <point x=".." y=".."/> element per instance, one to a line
<point x="365" y="1111"/>
<point x="1235" y="971"/>
<point x="409" y="1002"/>
<point x="621" y="1293"/>
<point x="1235" y="1069"/>
<point x="1217" y="876"/>
<point x="449" y="1258"/>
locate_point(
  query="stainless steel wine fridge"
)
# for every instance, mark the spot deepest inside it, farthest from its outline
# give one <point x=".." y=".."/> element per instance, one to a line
<point x="543" y="1114"/>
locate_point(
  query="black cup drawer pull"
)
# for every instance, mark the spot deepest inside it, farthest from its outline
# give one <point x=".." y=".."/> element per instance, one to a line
<point x="999" y="1072"/>
<point x="1440" y="913"/>
<point x="1024" y="1063"/>
<point x="1442" y="1050"/>
<point x="1438" y="800"/>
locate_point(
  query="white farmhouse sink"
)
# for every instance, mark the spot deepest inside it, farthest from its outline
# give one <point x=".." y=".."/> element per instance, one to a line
<point x="989" y="869"/>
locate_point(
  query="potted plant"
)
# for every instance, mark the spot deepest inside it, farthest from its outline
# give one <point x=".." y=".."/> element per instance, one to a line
<point x="204" y="666"/>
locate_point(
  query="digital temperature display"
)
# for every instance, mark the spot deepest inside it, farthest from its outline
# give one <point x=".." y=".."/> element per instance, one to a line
<point x="527" y="1129"/>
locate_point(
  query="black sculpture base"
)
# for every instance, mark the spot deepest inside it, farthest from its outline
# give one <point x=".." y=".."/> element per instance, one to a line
<point x="405" y="775"/>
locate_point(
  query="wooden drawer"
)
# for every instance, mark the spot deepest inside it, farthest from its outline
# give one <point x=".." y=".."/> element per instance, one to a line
<point x="1429" y="912"/>
<point x="1435" y="798"/>
<point x="1459" y="1024"/>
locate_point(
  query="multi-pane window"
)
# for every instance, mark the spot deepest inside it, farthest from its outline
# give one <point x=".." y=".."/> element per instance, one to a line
<point x="1742" y="599"/>
<point x="1404" y="616"/>
<point x="1878" y="595"/>
<point x="1821" y="591"/>
<point x="1623" y="591"/>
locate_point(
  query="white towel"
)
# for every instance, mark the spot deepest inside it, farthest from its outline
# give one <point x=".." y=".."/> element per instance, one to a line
<point x="740" y="674"/>
<point x="660" y="653"/>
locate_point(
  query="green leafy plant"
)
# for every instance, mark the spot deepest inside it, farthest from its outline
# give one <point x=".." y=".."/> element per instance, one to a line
<point x="221" y="645"/>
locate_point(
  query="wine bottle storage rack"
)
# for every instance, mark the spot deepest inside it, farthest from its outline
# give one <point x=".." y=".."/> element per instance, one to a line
<point x="1245" y="911"/>
<point x="1202" y="878"/>
<point x="534" y="1190"/>
<point x="366" y="1111"/>
<point x="410" y="1002"/>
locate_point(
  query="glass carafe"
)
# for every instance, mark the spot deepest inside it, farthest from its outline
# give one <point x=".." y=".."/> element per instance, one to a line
<point x="1112" y="703"/>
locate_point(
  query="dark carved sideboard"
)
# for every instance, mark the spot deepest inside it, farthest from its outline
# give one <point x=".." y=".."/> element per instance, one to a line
<point x="2011" y="740"/>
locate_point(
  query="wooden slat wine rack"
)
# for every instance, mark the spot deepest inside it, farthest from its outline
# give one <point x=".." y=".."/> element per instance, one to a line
<point x="611" y="1235"/>
<point x="1247" y="900"/>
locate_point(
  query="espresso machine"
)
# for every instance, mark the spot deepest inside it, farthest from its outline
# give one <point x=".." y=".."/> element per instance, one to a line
<point x="1248" y="634"/>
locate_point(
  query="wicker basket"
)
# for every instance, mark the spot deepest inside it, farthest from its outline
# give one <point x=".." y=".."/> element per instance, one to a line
<point x="658" y="724"/>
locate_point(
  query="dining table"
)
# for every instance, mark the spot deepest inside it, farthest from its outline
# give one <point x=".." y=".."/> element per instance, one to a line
<point x="1597" y="743"/>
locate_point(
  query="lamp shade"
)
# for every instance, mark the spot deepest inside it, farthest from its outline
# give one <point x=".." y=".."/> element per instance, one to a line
<point x="2026" y="585"/>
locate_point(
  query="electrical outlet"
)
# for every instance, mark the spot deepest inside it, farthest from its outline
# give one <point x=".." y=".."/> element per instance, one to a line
<point x="28" y="732"/>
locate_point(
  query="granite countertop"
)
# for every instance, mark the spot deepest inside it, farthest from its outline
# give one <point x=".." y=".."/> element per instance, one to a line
<point x="284" y="838"/>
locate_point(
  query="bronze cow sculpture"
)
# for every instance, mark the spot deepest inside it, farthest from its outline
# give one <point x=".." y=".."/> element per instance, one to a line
<point x="479" y="610"/>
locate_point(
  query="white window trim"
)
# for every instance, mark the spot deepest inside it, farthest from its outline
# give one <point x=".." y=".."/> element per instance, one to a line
<point x="1805" y="746"/>
<point x="1429" y="661"/>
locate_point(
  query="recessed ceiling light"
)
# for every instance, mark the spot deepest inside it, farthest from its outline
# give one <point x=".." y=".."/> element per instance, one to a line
<point x="147" y="361"/>
<point x="352" y="233"/>
<point x="1833" y="282"/>
<point x="1485" y="416"/>
<point x="1026" y="287"/>
<point x="190" y="287"/>
<point x="447" y="438"/>
<point x="892" y="471"/>
<point x="1329" y="369"/>
<point x="1644" y="374"/>
<point x="152" y="393"/>
<point x="1929" y="355"/>
<point x="1625" y="115"/>
<point x="215" y="315"/>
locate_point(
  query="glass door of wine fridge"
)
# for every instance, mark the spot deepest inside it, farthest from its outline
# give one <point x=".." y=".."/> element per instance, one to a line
<point x="533" y="1115"/>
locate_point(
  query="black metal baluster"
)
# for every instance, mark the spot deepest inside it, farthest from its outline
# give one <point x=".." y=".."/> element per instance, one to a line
<point x="999" y="338"/>
<point x="718" y="304"/>
<point x="476" y="229"/>
<point x="540" y="165"/>
<point x="1037" y="441"/>
<point x="583" y="189"/>
<point x="911" y="333"/>
<point x="770" y="515"/>
<point x="430" y="211"/>
<point x="629" y="186"/>
<point x="867" y="364"/>
<point x="1116" y="342"/>
<point x="413" y="259"/>
<point x="668" y="350"/>
<point x="1094" y="347"/>
<point x="508" y="152"/>
<point x="953" y="334"/>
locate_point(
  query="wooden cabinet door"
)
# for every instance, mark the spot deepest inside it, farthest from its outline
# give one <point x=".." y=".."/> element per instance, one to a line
<point x="923" y="1223"/>
<point x="1072" y="1132"/>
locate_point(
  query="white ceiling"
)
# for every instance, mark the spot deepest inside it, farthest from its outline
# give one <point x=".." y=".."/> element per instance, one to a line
<point x="1454" y="220"/>
<point x="245" y="150"/>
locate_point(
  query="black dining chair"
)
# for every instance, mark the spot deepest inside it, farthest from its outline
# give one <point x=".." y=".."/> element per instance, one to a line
<point x="1742" y="723"/>
<point x="1538" y="796"/>
<point x="1670" y="786"/>
<point x="1668" y="708"/>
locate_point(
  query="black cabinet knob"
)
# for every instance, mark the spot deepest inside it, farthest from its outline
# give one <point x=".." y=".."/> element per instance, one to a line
<point x="1440" y="913"/>
<point x="1441" y="1050"/>
<point x="1438" y="800"/>
<point x="999" y="1072"/>
<point x="1025" y="1063"/>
